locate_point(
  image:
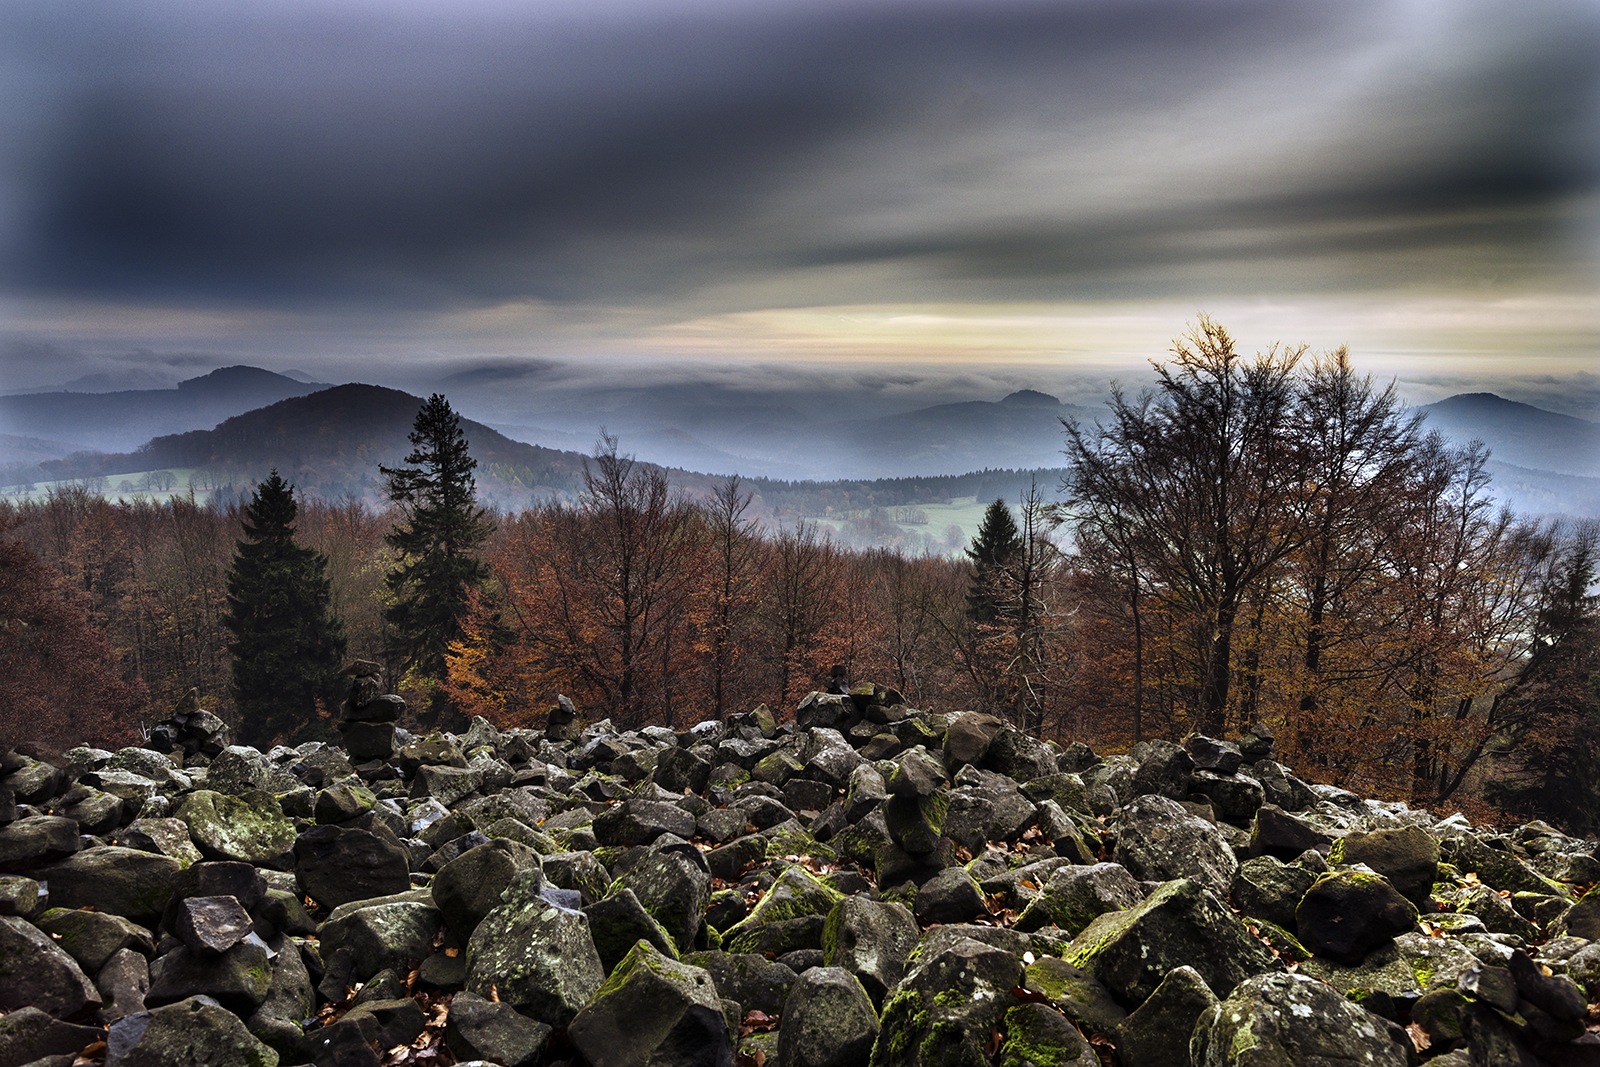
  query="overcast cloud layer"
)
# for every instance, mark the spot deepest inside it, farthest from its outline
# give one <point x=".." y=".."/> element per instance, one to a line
<point x="459" y="186"/>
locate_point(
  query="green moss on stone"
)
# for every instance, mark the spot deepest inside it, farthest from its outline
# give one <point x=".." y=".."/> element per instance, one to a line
<point x="1022" y="1047"/>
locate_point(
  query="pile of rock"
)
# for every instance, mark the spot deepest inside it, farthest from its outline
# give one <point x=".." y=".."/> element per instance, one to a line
<point x="868" y="884"/>
<point x="189" y="730"/>
<point x="367" y="717"/>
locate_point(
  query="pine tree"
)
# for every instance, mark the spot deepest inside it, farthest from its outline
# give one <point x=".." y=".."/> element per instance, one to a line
<point x="287" y="646"/>
<point x="438" y="539"/>
<point x="997" y="544"/>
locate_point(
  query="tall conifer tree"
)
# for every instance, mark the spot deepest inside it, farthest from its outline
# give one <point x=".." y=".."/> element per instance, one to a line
<point x="286" y="646"/>
<point x="997" y="544"/>
<point x="438" y="540"/>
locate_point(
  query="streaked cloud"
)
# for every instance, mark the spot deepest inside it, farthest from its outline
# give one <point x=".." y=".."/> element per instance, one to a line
<point x="1052" y="187"/>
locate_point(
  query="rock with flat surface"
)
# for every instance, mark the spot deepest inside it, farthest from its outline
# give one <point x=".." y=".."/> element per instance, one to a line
<point x="653" y="1010"/>
<point x="1181" y="923"/>
<point x="339" y="864"/>
<point x="1157" y="1033"/>
<point x="534" y="955"/>
<point x="1289" y="1020"/>
<point x="1347" y="914"/>
<point x="482" y="1029"/>
<point x="1158" y="840"/>
<point x="210" y="926"/>
<point x="945" y="1009"/>
<point x="35" y="972"/>
<point x="249" y="827"/>
<point x="190" y="1033"/>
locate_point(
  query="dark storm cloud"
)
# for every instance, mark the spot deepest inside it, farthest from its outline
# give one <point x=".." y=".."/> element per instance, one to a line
<point x="352" y="153"/>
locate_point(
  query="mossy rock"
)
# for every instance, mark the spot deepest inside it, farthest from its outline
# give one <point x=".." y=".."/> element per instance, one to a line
<point x="794" y="895"/>
<point x="945" y="1009"/>
<point x="648" y="1007"/>
<point x="1405" y="968"/>
<point x="1182" y="922"/>
<point x="250" y="827"/>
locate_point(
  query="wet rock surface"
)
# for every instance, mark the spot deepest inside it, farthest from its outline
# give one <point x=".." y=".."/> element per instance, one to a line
<point x="866" y="884"/>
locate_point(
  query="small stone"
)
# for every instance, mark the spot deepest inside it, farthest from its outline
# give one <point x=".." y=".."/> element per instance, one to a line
<point x="951" y="896"/>
<point x="485" y="1030"/>
<point x="209" y="926"/>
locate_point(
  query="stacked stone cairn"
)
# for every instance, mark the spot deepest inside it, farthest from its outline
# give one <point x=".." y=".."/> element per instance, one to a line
<point x="867" y="884"/>
<point x="189" y="730"/>
<point x="367" y="717"/>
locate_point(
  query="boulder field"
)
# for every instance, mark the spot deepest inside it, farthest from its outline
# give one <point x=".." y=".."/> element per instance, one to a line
<point x="867" y="884"/>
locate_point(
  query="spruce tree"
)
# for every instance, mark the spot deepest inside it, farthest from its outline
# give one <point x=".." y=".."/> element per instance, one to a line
<point x="996" y="546"/>
<point x="438" y="539"/>
<point x="287" y="647"/>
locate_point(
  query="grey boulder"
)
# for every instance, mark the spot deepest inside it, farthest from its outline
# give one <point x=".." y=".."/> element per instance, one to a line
<point x="653" y="1012"/>
<point x="1289" y="1020"/>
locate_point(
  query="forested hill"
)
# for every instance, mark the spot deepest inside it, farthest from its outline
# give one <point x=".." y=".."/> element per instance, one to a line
<point x="331" y="443"/>
<point x="120" y="420"/>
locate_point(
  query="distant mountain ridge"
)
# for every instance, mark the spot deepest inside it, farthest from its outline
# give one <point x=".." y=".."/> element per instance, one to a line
<point x="1520" y="434"/>
<point x="330" y="440"/>
<point x="1020" y="431"/>
<point x="120" y="421"/>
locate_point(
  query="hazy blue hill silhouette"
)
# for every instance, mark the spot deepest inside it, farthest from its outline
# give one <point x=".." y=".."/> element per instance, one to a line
<point x="1021" y="431"/>
<point x="332" y="442"/>
<point x="119" y="421"/>
<point x="1520" y="434"/>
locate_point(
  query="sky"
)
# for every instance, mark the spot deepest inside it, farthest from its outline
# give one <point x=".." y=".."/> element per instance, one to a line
<point x="881" y="202"/>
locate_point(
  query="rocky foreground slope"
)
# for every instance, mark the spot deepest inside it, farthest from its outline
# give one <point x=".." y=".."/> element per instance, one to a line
<point x="867" y="884"/>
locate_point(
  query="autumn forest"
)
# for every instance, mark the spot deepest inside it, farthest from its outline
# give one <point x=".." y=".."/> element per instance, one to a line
<point x="1270" y="542"/>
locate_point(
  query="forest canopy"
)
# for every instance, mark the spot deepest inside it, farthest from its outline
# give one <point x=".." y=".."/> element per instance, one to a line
<point x="1267" y="541"/>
